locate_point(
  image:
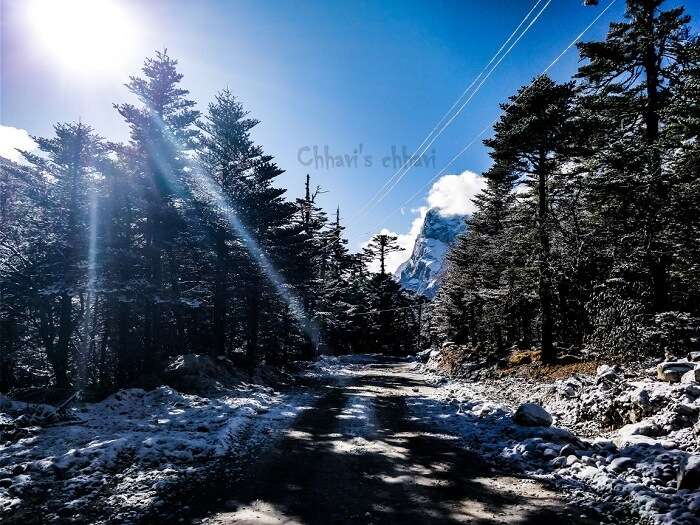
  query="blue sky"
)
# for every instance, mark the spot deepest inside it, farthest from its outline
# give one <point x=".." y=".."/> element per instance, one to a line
<point x="316" y="73"/>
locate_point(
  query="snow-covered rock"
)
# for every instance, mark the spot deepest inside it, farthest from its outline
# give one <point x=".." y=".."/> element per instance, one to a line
<point x="643" y="428"/>
<point x="672" y="371"/>
<point x="621" y="463"/>
<point x="424" y="355"/>
<point x="423" y="270"/>
<point x="689" y="473"/>
<point x="532" y="415"/>
<point x="691" y="376"/>
<point x="608" y="375"/>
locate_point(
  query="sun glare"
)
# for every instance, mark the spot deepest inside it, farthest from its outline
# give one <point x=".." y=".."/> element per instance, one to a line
<point x="88" y="36"/>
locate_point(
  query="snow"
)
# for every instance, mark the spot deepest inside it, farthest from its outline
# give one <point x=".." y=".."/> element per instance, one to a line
<point x="623" y="467"/>
<point x="633" y="467"/>
<point x="133" y="445"/>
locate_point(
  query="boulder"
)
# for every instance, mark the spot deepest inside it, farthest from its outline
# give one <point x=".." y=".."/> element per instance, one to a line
<point x="622" y="463"/>
<point x="571" y="460"/>
<point x="694" y="357"/>
<point x="672" y="371"/>
<point x="689" y="473"/>
<point x="643" y="428"/>
<point x="691" y="376"/>
<point x="692" y="391"/>
<point x="635" y="440"/>
<point x="532" y="415"/>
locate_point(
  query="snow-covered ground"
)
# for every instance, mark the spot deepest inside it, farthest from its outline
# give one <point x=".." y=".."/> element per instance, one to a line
<point x="125" y="455"/>
<point x="122" y="455"/>
<point x="634" y="466"/>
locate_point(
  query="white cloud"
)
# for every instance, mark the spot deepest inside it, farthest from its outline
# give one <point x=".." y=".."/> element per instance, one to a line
<point x="13" y="138"/>
<point x="451" y="195"/>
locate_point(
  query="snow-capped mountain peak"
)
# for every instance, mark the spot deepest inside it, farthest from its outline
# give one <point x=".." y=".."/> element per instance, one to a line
<point x="423" y="270"/>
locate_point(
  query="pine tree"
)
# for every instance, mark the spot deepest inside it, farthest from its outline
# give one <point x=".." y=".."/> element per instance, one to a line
<point x="228" y="156"/>
<point x="311" y="267"/>
<point x="379" y="247"/>
<point x="471" y="304"/>
<point x="532" y="135"/>
<point x="630" y="74"/>
<point x="161" y="132"/>
<point x="67" y="165"/>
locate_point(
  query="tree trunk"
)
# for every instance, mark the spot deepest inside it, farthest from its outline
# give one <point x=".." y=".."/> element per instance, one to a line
<point x="253" y="325"/>
<point x="545" y="279"/>
<point x="565" y="328"/>
<point x="59" y="360"/>
<point x="657" y="261"/>
<point x="219" y="313"/>
<point x="125" y="361"/>
<point x="153" y="316"/>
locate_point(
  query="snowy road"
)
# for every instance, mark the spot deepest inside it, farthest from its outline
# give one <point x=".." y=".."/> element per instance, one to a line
<point x="359" y="456"/>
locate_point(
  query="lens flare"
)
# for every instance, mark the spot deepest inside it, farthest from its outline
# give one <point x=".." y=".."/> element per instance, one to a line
<point x="218" y="199"/>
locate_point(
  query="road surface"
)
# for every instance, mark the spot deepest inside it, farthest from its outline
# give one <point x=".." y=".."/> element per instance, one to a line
<point x="357" y="456"/>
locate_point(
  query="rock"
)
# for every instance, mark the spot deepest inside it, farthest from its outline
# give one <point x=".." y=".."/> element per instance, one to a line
<point x="549" y="453"/>
<point x="570" y="388"/>
<point x="636" y="440"/>
<point x="689" y="473"/>
<point x="532" y="415"/>
<point x="686" y="410"/>
<point x="424" y="355"/>
<point x="570" y="460"/>
<point x="672" y="371"/>
<point x="606" y="374"/>
<point x="603" y="369"/>
<point x="604" y="443"/>
<point x="692" y="391"/>
<point x="558" y="462"/>
<point x="622" y="463"/>
<point x="5" y="483"/>
<point x="643" y="428"/>
<point x="567" y="450"/>
<point x="694" y="357"/>
<point x="691" y="376"/>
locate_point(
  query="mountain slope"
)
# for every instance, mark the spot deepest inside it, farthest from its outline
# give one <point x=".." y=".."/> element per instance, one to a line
<point x="423" y="270"/>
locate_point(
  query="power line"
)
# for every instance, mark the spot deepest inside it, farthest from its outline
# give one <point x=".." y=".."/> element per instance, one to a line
<point x="413" y="163"/>
<point x="369" y="203"/>
<point x="490" y="126"/>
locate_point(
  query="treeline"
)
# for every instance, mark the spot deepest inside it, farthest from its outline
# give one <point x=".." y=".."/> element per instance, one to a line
<point x="115" y="258"/>
<point x="587" y="234"/>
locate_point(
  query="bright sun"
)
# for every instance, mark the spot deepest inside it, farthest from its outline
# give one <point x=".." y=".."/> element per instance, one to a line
<point x="88" y="36"/>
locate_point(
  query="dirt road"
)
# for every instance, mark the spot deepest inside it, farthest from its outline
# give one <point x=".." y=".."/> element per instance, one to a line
<point x="358" y="457"/>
